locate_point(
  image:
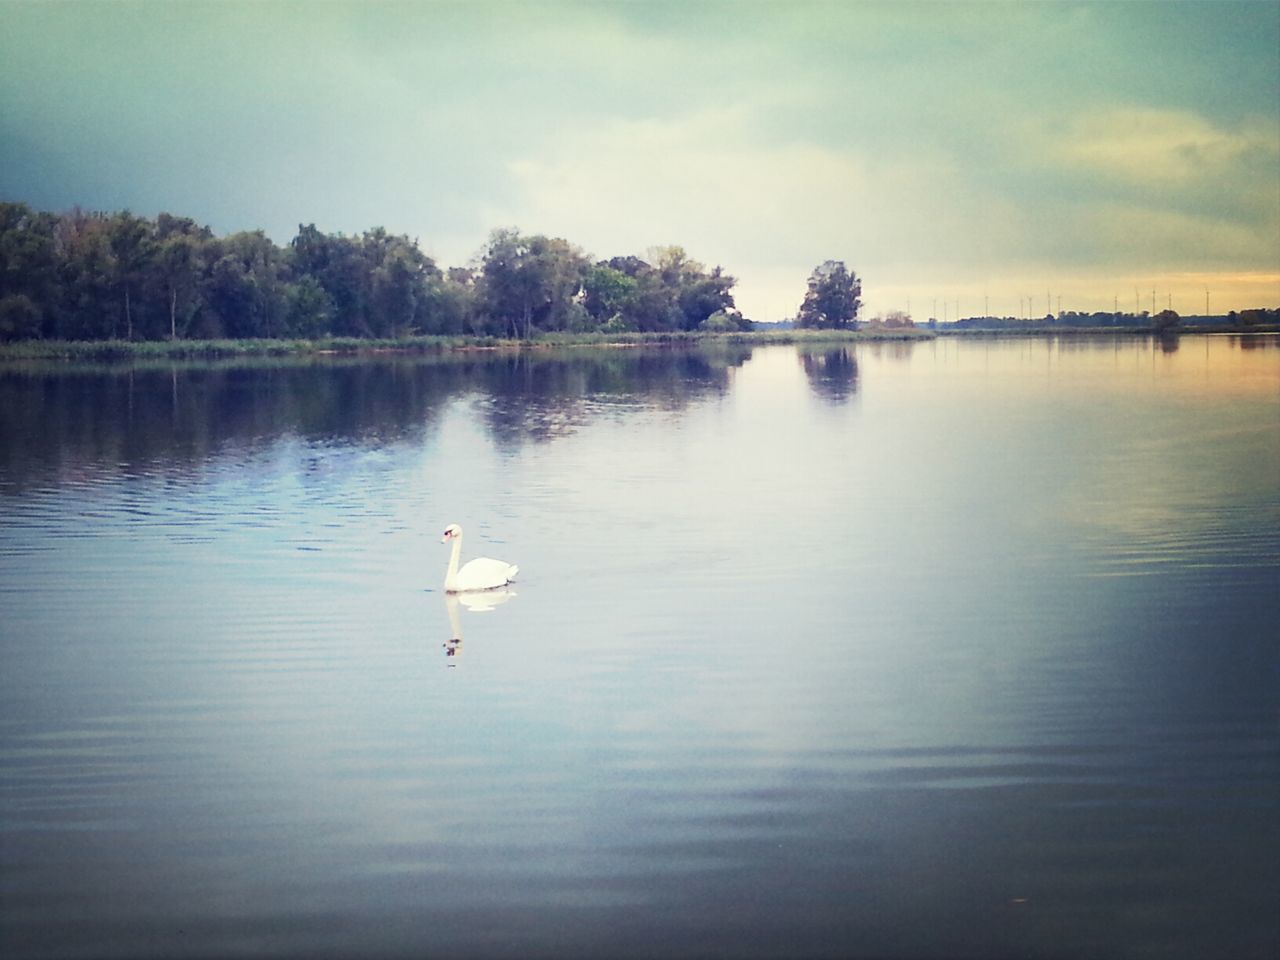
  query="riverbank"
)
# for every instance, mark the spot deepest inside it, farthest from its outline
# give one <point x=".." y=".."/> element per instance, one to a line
<point x="101" y="350"/>
<point x="1051" y="330"/>
<point x="141" y="350"/>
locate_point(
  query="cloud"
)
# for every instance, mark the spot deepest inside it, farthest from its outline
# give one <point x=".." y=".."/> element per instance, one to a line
<point x="930" y="146"/>
<point x="1160" y="190"/>
<point x="769" y="209"/>
<point x="1162" y="147"/>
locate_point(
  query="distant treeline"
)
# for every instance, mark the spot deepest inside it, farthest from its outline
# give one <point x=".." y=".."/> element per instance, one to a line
<point x="1164" y="320"/>
<point x="101" y="276"/>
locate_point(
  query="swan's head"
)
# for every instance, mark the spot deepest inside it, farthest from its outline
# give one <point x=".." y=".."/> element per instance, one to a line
<point x="451" y="532"/>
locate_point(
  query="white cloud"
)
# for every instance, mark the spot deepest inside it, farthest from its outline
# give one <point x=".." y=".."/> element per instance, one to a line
<point x="917" y="223"/>
<point x="767" y="211"/>
<point x="1164" y="147"/>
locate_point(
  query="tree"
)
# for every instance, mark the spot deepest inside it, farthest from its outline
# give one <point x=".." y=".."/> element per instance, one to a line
<point x="244" y="288"/>
<point x="832" y="300"/>
<point x="19" y="317"/>
<point x="454" y="306"/>
<point x="99" y="276"/>
<point x="656" y="307"/>
<point x="724" y="321"/>
<point x="28" y="268"/>
<point x="229" y="296"/>
<point x="85" y="272"/>
<point x="650" y="305"/>
<point x="674" y="292"/>
<point x="133" y="247"/>
<point x="508" y="284"/>
<point x="395" y="287"/>
<point x="310" y="251"/>
<point x="308" y="309"/>
<point x="607" y="292"/>
<point x="529" y="283"/>
<point x="338" y="264"/>
<point x="1165" y="320"/>
<point x="632" y="266"/>
<point x="703" y="295"/>
<point x="564" y="268"/>
<point x="178" y="261"/>
<point x="695" y="294"/>
<point x="1251" y="318"/>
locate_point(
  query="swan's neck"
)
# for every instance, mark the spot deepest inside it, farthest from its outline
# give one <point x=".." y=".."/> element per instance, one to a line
<point x="452" y="573"/>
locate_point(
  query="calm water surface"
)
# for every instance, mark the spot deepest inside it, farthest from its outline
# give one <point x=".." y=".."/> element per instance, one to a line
<point x="966" y="648"/>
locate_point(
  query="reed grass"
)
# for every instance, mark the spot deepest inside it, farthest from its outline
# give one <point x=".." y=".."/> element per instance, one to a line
<point x="145" y="350"/>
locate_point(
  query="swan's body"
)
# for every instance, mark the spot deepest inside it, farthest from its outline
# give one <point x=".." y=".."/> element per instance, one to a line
<point x="482" y="573"/>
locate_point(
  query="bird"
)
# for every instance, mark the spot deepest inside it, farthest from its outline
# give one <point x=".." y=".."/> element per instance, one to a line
<point x="482" y="573"/>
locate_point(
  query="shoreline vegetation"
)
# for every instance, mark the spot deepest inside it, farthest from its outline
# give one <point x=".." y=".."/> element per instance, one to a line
<point x="99" y="286"/>
<point x="89" y="276"/>
<point x="219" y="349"/>
<point x="420" y="345"/>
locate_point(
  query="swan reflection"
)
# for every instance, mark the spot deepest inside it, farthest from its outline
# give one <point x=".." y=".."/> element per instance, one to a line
<point x="482" y="601"/>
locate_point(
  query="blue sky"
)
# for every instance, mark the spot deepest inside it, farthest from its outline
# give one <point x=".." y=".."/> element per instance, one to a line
<point x="952" y="153"/>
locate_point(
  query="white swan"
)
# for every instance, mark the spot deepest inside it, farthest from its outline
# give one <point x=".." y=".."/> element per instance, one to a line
<point x="481" y="573"/>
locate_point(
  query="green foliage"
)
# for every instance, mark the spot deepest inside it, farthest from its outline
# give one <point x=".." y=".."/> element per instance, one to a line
<point x="19" y="317"/>
<point x="608" y="292"/>
<point x="617" y="324"/>
<point x="133" y="248"/>
<point x="28" y="270"/>
<point x="723" y="321"/>
<point x="832" y="298"/>
<point x="529" y="283"/>
<point x="95" y="276"/>
<point x="308" y="309"/>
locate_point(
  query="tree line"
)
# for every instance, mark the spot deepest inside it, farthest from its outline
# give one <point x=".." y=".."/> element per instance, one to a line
<point x="97" y="276"/>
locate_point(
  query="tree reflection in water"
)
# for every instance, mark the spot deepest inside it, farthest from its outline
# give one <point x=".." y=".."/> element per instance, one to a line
<point x="832" y="372"/>
<point x="84" y="421"/>
<point x="532" y="397"/>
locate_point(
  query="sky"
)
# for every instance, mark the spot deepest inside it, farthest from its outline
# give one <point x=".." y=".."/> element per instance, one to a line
<point x="961" y="157"/>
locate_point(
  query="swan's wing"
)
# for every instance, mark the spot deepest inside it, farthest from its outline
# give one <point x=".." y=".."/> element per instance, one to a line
<point x="483" y="573"/>
<point x="487" y="566"/>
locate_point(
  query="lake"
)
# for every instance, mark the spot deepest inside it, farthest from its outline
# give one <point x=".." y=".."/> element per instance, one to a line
<point x="953" y="648"/>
